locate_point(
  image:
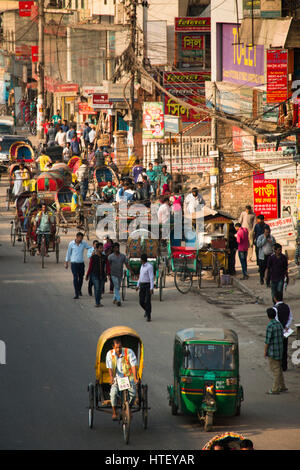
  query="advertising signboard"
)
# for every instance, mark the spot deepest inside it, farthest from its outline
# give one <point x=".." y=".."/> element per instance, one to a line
<point x="282" y="229"/>
<point x="178" y="78"/>
<point x="277" y="75"/>
<point x="172" y="124"/>
<point x="187" y="24"/>
<point x="25" y="8"/>
<point x="288" y="197"/>
<point x="153" y="120"/>
<point x="265" y="197"/>
<point x="242" y="64"/>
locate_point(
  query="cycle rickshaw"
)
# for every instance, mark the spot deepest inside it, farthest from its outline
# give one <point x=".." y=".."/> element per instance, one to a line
<point x="99" y="393"/>
<point x="142" y="241"/>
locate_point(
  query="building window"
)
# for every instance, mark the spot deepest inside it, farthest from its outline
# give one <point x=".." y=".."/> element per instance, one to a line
<point x="82" y="4"/>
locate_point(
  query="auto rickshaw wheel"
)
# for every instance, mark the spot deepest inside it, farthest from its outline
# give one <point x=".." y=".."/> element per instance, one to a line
<point x="174" y="408"/>
<point x="208" y="423"/>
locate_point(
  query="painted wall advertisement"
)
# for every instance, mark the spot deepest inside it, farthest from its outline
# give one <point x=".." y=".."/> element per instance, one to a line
<point x="189" y="87"/>
<point x="265" y="198"/>
<point x="242" y="64"/>
<point x="277" y="75"/>
<point x="153" y="121"/>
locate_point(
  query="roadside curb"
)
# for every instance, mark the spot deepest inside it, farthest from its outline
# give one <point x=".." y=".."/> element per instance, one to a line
<point x="248" y="291"/>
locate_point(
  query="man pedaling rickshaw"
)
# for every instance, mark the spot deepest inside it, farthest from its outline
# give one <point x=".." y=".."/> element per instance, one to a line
<point x="121" y="362"/>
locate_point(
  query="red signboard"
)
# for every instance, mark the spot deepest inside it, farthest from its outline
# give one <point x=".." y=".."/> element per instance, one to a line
<point x="25" y="8"/>
<point x="34" y="53"/>
<point x="186" y="24"/>
<point x="100" y="98"/>
<point x="22" y="53"/>
<point x="66" y="88"/>
<point x="177" y="78"/>
<point x="277" y="75"/>
<point x="85" y="108"/>
<point x="265" y="196"/>
<point x="194" y="96"/>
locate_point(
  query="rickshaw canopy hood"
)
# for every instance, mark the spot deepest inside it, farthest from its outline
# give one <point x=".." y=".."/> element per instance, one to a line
<point x="207" y="334"/>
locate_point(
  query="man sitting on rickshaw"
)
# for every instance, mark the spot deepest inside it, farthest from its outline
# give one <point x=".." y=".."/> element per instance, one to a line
<point x="121" y="362"/>
<point x="45" y="225"/>
<point x="30" y="206"/>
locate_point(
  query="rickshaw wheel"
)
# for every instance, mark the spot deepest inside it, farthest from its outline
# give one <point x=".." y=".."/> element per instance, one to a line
<point x="91" y="418"/>
<point x="12" y="234"/>
<point x="91" y="405"/>
<point x="43" y="250"/>
<point x="160" y="286"/>
<point x="126" y="421"/>
<point x="199" y="273"/>
<point x="145" y="406"/>
<point x="208" y="423"/>
<point x="57" y="251"/>
<point x="24" y="251"/>
<point x="183" y="281"/>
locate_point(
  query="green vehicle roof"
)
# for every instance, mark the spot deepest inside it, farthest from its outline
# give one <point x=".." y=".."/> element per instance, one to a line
<point x="206" y="334"/>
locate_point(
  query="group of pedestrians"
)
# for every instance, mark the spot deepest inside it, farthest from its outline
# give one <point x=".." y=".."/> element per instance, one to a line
<point x="106" y="261"/>
<point x="250" y="233"/>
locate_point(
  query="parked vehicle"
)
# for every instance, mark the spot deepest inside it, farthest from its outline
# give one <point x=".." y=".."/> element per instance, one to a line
<point x="7" y="125"/>
<point x="6" y="141"/>
<point x="206" y="374"/>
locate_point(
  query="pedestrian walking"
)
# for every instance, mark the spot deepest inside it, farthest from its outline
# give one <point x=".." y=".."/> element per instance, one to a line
<point x="259" y="229"/>
<point x="247" y="220"/>
<point x="116" y="262"/>
<point x="233" y="246"/>
<point x="145" y="286"/>
<point x="97" y="273"/>
<point x="90" y="253"/>
<point x="86" y="132"/>
<point x="243" y="245"/>
<point x="108" y="248"/>
<point x="67" y="152"/>
<point x="50" y="137"/>
<point x="61" y="137"/>
<point x="83" y="178"/>
<point x="277" y="270"/>
<point x="76" y="146"/>
<point x="273" y="351"/>
<point x="285" y="317"/>
<point x="265" y="244"/>
<point x="75" y="257"/>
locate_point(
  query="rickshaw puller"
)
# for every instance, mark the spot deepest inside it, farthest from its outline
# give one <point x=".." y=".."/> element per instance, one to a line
<point x="121" y="362"/>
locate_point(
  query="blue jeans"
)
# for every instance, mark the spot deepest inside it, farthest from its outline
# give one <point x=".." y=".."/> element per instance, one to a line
<point x="98" y="287"/>
<point x="78" y="274"/>
<point x="117" y="285"/>
<point x="276" y="287"/>
<point x="243" y="261"/>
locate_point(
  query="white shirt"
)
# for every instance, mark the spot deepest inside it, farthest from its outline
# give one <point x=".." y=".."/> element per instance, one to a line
<point x="119" y="370"/>
<point x="163" y="214"/>
<point x="192" y="203"/>
<point x="92" y="135"/>
<point x="289" y="322"/>
<point x="146" y="275"/>
<point x="82" y="173"/>
<point x="67" y="154"/>
<point x="60" y="138"/>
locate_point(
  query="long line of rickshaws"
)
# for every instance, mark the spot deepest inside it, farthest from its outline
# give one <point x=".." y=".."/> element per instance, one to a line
<point x="55" y="187"/>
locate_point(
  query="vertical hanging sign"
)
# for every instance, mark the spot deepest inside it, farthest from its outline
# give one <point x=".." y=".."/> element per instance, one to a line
<point x="25" y="8"/>
<point x="277" y="75"/>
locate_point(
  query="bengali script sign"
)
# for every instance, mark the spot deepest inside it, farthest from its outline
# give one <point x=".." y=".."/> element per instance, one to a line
<point x="282" y="229"/>
<point x="242" y="63"/>
<point x="173" y="78"/>
<point x="186" y="24"/>
<point x="277" y="75"/>
<point x="265" y="198"/>
<point x="192" y="42"/>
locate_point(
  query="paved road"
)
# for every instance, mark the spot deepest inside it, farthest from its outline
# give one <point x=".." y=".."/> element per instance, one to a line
<point x="51" y="342"/>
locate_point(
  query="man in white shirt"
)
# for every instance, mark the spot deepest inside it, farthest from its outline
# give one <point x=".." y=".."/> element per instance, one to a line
<point x="92" y="135"/>
<point x="121" y="362"/>
<point x="163" y="216"/>
<point x="67" y="153"/>
<point x="146" y="285"/>
<point x="75" y="256"/>
<point x="61" y="138"/>
<point x="193" y="201"/>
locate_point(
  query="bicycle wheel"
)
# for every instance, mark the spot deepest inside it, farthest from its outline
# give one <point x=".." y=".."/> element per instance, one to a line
<point x="24" y="251"/>
<point x="161" y="283"/>
<point x="43" y="251"/>
<point x="57" y="250"/>
<point x="126" y="418"/>
<point x="13" y="233"/>
<point x="199" y="273"/>
<point x="183" y="280"/>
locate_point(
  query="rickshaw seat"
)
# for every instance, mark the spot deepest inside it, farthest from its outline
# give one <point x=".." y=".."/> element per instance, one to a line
<point x="177" y="251"/>
<point x="104" y="373"/>
<point x="66" y="209"/>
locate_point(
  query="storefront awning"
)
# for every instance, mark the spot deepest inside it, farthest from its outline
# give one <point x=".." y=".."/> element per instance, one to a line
<point x="273" y="32"/>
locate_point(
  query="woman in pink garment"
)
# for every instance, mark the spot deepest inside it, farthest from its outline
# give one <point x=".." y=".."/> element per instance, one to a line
<point x="242" y="238"/>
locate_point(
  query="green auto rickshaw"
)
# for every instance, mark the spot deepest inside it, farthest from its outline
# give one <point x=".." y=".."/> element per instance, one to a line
<point x="206" y="374"/>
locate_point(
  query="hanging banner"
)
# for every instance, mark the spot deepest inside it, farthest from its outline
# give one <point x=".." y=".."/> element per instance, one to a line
<point x="153" y="121"/>
<point x="25" y="8"/>
<point x="265" y="198"/>
<point x="277" y="75"/>
<point x="288" y="197"/>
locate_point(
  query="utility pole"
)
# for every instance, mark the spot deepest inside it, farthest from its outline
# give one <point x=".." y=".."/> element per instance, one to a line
<point x="41" y="72"/>
<point x="214" y="176"/>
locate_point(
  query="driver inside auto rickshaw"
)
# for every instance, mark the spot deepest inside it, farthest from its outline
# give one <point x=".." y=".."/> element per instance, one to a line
<point x="121" y="362"/>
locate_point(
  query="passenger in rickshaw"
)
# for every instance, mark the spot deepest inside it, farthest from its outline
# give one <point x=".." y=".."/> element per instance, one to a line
<point x="30" y="205"/>
<point x="121" y="362"/>
<point x="109" y="192"/>
<point x="45" y="225"/>
<point x="76" y="202"/>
